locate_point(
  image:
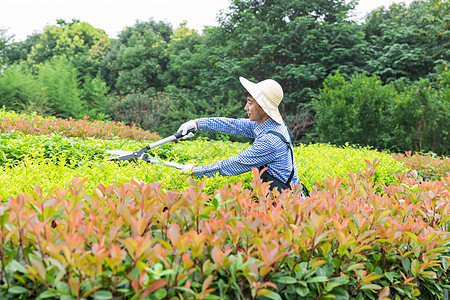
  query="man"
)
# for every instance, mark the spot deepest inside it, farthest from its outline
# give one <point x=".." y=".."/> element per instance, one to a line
<point x="272" y="148"/>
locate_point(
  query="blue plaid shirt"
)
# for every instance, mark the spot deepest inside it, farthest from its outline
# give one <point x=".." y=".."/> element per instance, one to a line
<point x="267" y="150"/>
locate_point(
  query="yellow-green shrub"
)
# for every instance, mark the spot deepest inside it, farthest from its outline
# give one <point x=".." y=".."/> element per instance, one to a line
<point x="316" y="162"/>
<point x="73" y="157"/>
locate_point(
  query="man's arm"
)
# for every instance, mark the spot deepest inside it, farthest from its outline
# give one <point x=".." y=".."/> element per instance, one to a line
<point x="259" y="154"/>
<point x="243" y="127"/>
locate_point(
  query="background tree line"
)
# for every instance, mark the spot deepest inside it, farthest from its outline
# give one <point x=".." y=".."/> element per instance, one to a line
<point x="382" y="82"/>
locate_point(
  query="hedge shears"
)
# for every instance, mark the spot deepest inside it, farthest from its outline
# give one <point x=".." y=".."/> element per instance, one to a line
<point x="142" y="154"/>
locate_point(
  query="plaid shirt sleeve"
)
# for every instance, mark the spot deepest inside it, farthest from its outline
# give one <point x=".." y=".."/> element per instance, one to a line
<point x="259" y="154"/>
<point x="243" y="127"/>
<point x="267" y="149"/>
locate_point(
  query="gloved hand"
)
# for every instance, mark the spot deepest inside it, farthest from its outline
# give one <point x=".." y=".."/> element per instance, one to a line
<point x="188" y="168"/>
<point x="192" y="124"/>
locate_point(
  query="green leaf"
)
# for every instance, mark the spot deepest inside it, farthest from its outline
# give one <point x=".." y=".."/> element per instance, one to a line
<point x="444" y="263"/>
<point x="103" y="295"/>
<point x="378" y="271"/>
<point x="412" y="236"/>
<point x="14" y="265"/>
<point x="273" y="295"/>
<point x="302" y="291"/>
<point x="160" y="294"/>
<point x="285" y="280"/>
<point x="331" y="285"/>
<point x="4" y="215"/>
<point x="389" y="276"/>
<point x="181" y="288"/>
<point x="445" y="292"/>
<point x="359" y="296"/>
<point x="17" y="290"/>
<point x="339" y="294"/>
<point x="62" y="288"/>
<point x="47" y="294"/>
<point x="406" y="264"/>
<point x="216" y="201"/>
<point x="371" y="286"/>
<point x="317" y="279"/>
<point x="415" y="266"/>
<point x="35" y="208"/>
<point x="355" y="267"/>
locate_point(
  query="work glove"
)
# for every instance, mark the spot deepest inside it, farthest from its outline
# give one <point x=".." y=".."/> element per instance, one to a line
<point x="192" y="124"/>
<point x="188" y="168"/>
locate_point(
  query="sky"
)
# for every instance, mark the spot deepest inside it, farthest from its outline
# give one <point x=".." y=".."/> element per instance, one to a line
<point x="24" y="17"/>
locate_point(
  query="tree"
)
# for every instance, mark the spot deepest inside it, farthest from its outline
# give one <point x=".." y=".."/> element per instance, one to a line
<point x="80" y="46"/>
<point x="18" y="52"/>
<point x="354" y="111"/>
<point x="81" y="43"/>
<point x="5" y="40"/>
<point x="410" y="42"/>
<point x="421" y="116"/>
<point x="297" y="43"/>
<point x="394" y="116"/>
<point x="59" y="79"/>
<point x="138" y="59"/>
<point x="181" y="47"/>
<point x="18" y="87"/>
<point x="12" y="52"/>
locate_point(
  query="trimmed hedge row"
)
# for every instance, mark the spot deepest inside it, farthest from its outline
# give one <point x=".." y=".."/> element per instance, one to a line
<point x="49" y="160"/>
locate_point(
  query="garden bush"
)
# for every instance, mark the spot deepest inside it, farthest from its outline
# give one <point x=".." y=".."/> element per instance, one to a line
<point x="75" y="225"/>
<point x="15" y="146"/>
<point x="353" y="111"/>
<point x="37" y="125"/>
<point x="73" y="145"/>
<point x="427" y="166"/>
<point x="18" y="87"/>
<point x="150" y="110"/>
<point x="59" y="79"/>
<point x="53" y="158"/>
<point x="397" y="117"/>
<point x="137" y="240"/>
<point x="420" y="118"/>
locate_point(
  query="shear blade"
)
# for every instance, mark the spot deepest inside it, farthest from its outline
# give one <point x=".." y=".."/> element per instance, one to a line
<point x="119" y="152"/>
<point x="121" y="155"/>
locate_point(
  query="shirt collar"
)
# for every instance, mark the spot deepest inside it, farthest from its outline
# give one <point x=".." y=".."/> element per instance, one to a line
<point x="265" y="126"/>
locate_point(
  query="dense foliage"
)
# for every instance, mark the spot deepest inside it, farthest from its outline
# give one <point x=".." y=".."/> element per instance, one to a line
<point x="137" y="240"/>
<point x="398" y="117"/>
<point x="428" y="167"/>
<point x="138" y="58"/>
<point x="155" y="111"/>
<point x="299" y="43"/>
<point x="409" y="42"/>
<point x="73" y="225"/>
<point x="33" y="124"/>
<point x="55" y="149"/>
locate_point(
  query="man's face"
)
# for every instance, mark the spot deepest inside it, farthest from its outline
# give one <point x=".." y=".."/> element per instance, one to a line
<point x="254" y="111"/>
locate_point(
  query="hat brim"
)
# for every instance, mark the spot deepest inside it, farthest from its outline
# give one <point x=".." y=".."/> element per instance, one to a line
<point x="254" y="91"/>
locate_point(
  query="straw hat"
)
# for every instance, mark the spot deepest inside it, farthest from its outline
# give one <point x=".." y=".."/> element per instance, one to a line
<point x="268" y="94"/>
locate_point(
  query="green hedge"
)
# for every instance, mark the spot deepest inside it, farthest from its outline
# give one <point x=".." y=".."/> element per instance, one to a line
<point x="399" y="117"/>
<point x="54" y="158"/>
